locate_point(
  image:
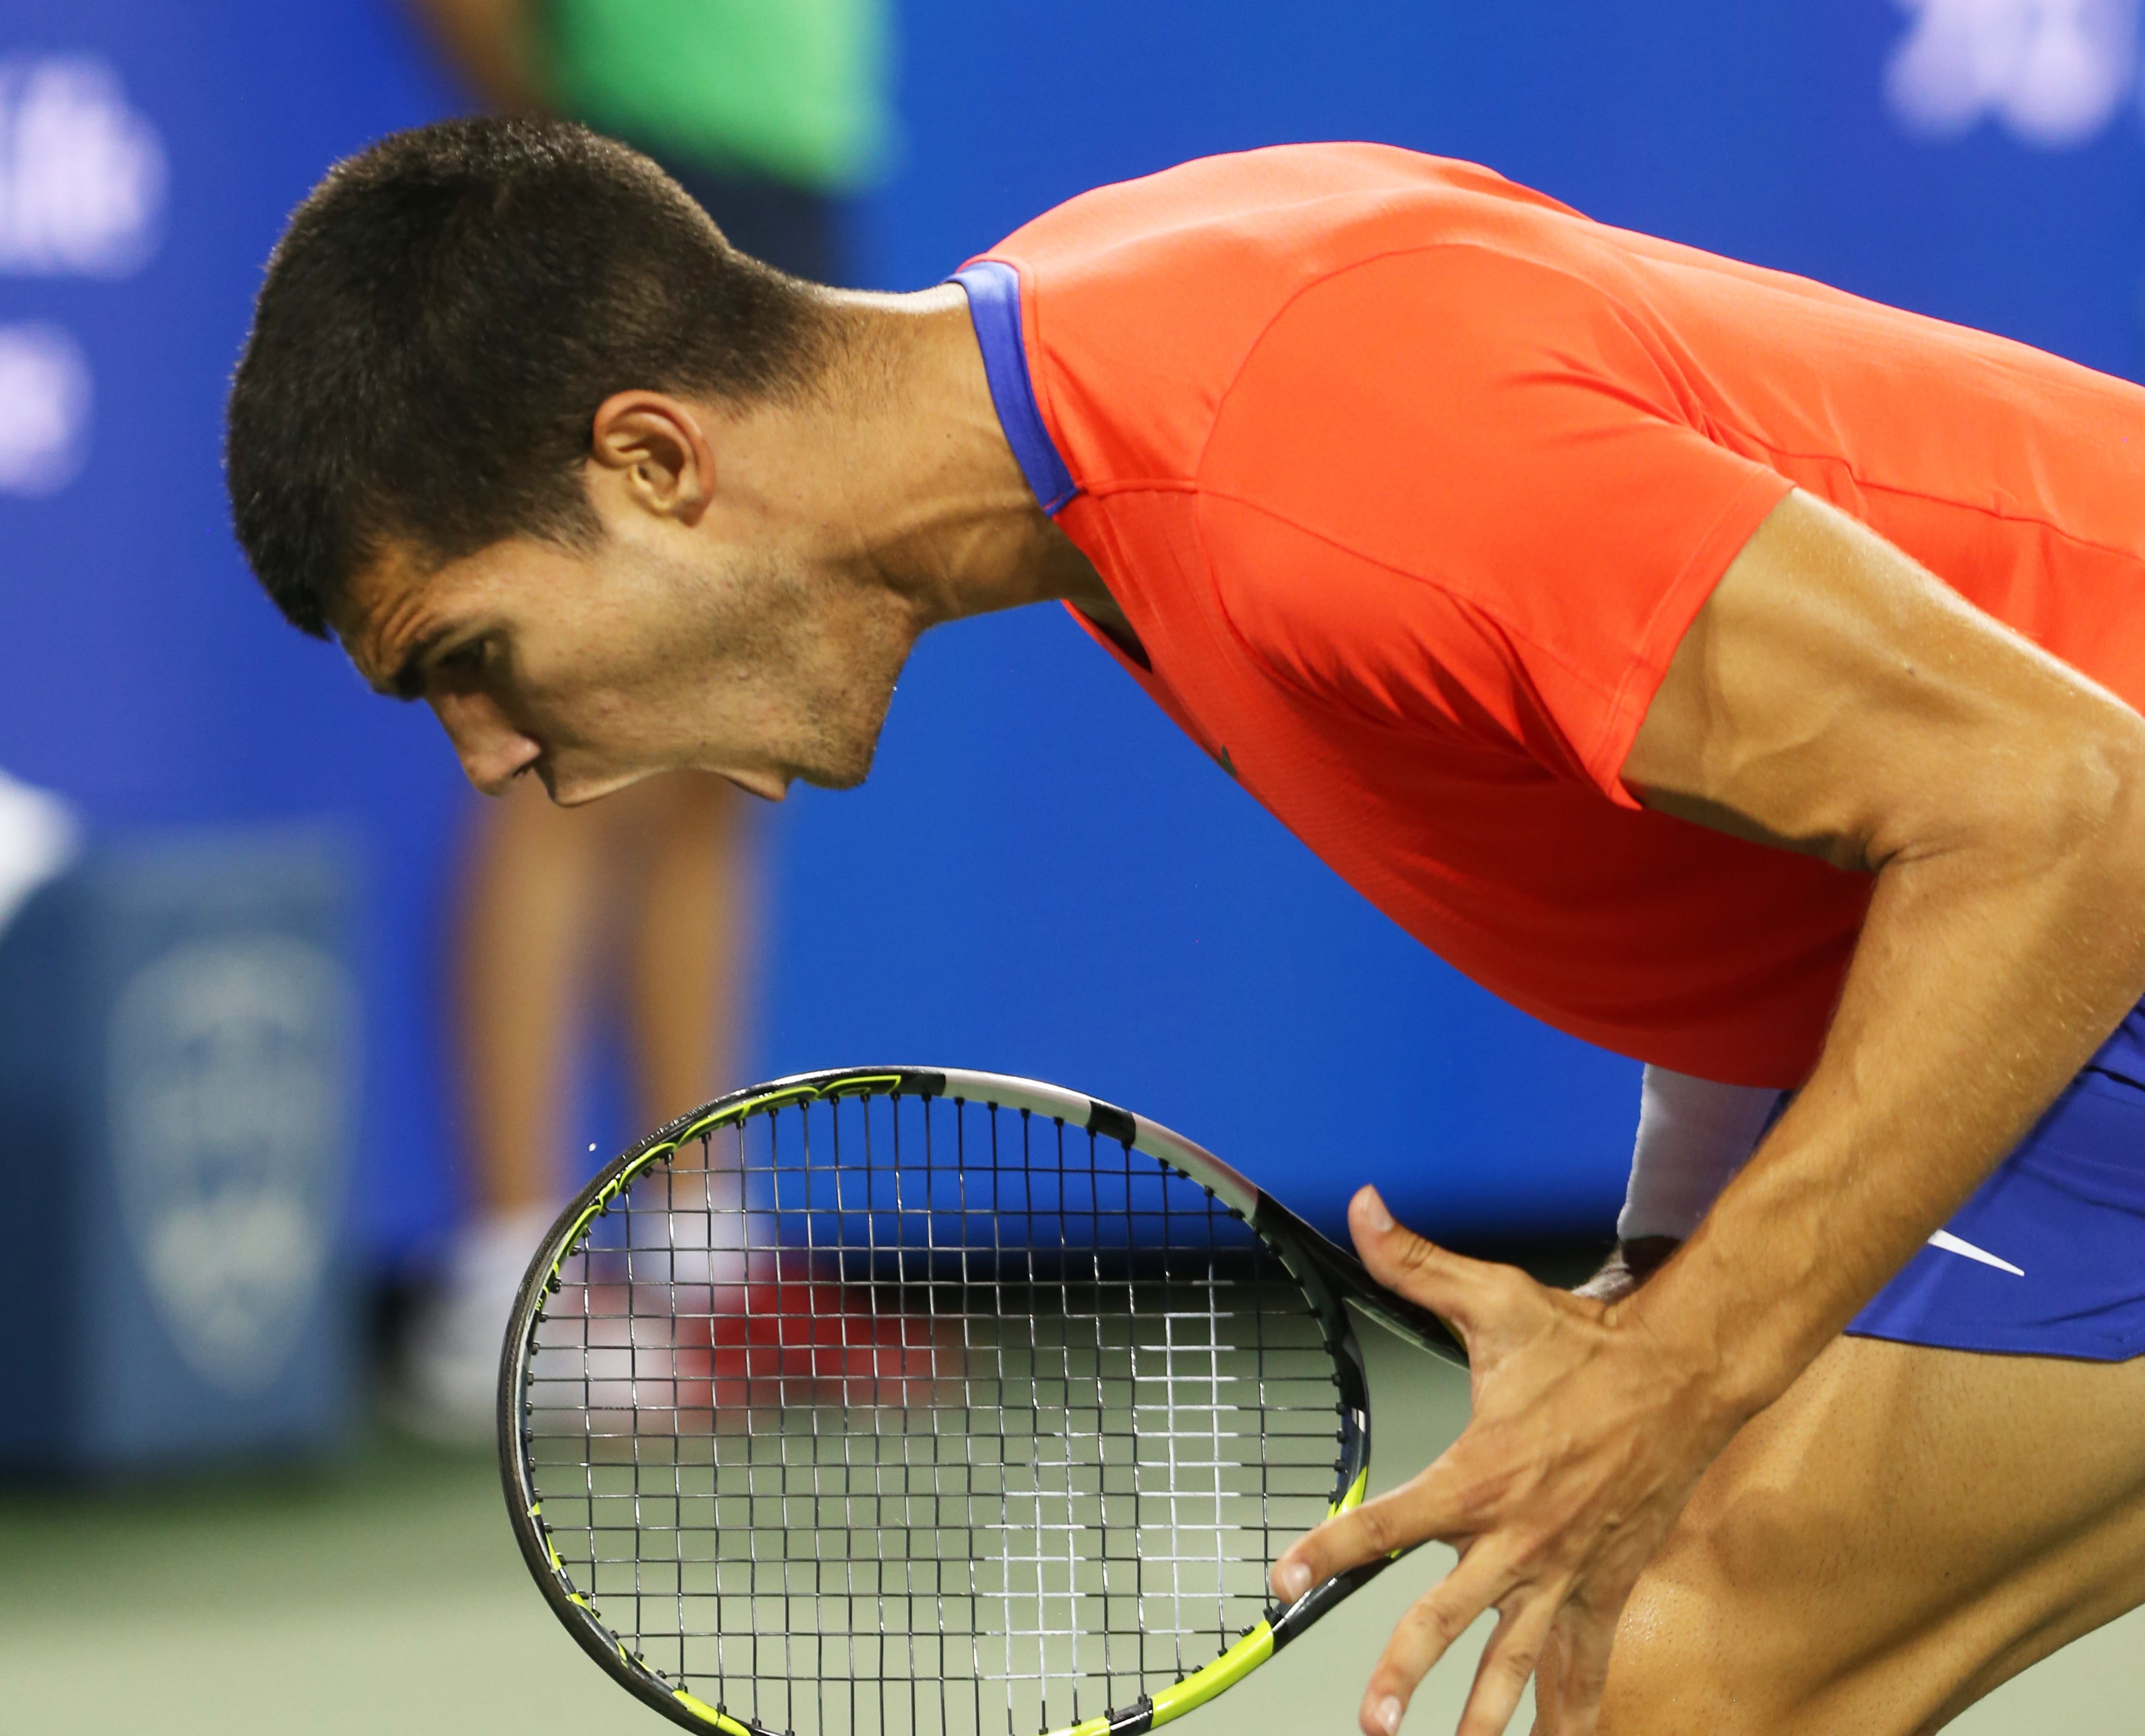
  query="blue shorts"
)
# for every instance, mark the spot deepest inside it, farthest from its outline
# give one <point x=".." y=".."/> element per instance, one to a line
<point x="2048" y="1258"/>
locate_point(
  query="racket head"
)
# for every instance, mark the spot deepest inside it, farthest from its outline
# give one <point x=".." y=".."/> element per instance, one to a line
<point x="806" y="1430"/>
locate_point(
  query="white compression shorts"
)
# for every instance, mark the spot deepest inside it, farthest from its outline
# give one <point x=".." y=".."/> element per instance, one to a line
<point x="1694" y="1136"/>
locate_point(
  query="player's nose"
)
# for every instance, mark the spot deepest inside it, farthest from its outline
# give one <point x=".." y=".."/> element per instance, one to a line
<point x="492" y="750"/>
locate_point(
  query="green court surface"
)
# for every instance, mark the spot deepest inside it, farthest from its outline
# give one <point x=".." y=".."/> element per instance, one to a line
<point x="386" y="1596"/>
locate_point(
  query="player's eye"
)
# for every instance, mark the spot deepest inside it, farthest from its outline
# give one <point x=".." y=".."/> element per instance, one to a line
<point x="469" y="659"/>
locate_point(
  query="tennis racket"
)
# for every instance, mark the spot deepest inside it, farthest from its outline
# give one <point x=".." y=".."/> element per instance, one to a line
<point x="912" y="1402"/>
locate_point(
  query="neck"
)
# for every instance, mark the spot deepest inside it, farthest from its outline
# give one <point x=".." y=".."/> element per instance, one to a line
<point x="907" y="471"/>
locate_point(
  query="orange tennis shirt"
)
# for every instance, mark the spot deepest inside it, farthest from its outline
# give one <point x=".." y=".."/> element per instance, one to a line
<point x="1409" y="480"/>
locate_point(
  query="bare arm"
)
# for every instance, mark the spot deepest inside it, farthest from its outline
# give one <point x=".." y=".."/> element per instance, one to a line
<point x="1833" y="698"/>
<point x="493" y="45"/>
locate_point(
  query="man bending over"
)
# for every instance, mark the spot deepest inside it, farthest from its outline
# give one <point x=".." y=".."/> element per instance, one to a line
<point x="1727" y="670"/>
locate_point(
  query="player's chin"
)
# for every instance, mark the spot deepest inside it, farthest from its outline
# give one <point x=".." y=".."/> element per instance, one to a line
<point x="825" y="778"/>
<point x="838" y="765"/>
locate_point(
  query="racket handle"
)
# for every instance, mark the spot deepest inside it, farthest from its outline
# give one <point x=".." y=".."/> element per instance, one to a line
<point x="1345" y="1276"/>
<point x="1348" y="1277"/>
<point x="1315" y="1602"/>
<point x="1403" y="1319"/>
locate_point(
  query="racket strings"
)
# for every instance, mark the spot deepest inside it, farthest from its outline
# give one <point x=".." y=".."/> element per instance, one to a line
<point x="895" y="1416"/>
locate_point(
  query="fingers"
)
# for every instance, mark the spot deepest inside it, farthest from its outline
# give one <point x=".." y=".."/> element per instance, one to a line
<point x="1457" y="1289"/>
<point x="1508" y="1662"/>
<point x="1573" y="1671"/>
<point x="1429" y="1630"/>
<point x="1400" y="1518"/>
<point x="1565" y="1477"/>
<point x="1424" y="1635"/>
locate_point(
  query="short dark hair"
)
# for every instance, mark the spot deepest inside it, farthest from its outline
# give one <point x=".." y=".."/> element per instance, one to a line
<point x="439" y="323"/>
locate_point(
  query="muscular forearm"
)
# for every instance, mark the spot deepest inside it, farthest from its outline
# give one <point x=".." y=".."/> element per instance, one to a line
<point x="1831" y="697"/>
<point x="1990" y="965"/>
<point x="1987" y="974"/>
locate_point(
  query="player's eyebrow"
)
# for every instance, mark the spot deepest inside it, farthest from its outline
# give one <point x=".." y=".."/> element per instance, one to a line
<point x="408" y="681"/>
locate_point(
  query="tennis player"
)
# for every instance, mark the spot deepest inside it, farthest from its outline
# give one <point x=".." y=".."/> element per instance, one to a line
<point x="1729" y="671"/>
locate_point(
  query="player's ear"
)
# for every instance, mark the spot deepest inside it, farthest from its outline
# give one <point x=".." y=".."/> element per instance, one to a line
<point x="652" y="446"/>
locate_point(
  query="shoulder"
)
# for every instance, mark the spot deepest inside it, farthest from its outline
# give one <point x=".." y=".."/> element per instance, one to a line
<point x="1470" y="480"/>
<point x="1143" y="301"/>
<point x="1444" y="411"/>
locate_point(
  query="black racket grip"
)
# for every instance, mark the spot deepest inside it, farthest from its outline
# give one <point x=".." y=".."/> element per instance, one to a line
<point x="1396" y="1314"/>
<point x="1346" y="1276"/>
<point x="1314" y="1603"/>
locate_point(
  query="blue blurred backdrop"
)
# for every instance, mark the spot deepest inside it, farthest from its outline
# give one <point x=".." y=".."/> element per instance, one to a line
<point x="1042" y="877"/>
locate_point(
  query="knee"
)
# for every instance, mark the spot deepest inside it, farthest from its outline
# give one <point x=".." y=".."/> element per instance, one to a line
<point x="1701" y="1649"/>
<point x="1667" y="1675"/>
<point x="1740" y="1627"/>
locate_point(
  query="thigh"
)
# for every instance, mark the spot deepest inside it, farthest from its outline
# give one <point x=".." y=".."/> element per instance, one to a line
<point x="1904" y="1530"/>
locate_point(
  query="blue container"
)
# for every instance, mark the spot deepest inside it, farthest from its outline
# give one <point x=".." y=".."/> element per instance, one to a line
<point x="177" y="1023"/>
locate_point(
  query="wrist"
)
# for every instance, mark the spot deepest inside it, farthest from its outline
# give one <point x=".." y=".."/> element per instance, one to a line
<point x="1726" y="1351"/>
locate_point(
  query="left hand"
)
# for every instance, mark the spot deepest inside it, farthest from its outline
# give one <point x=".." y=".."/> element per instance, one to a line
<point x="1588" y="1435"/>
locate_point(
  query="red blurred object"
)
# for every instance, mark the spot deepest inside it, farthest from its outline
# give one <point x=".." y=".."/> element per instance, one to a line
<point x="712" y="1355"/>
<point x="791" y="1341"/>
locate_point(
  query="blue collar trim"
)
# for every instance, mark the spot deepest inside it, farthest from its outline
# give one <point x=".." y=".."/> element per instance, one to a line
<point x="993" y="289"/>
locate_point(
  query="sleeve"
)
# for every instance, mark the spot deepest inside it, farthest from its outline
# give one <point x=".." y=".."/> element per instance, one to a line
<point x="1474" y="492"/>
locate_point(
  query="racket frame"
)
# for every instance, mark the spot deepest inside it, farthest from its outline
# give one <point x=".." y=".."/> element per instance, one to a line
<point x="1328" y="1275"/>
